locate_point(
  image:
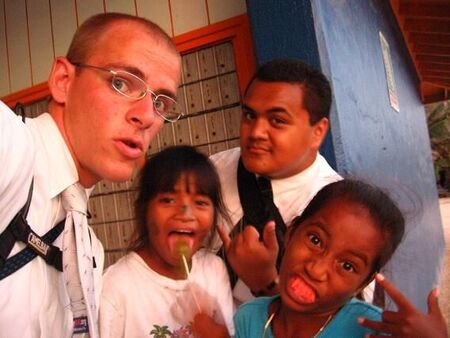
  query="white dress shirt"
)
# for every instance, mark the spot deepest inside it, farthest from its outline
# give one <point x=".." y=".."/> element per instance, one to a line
<point x="34" y="301"/>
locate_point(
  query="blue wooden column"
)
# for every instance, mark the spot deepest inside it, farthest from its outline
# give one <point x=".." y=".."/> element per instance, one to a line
<point x="369" y="139"/>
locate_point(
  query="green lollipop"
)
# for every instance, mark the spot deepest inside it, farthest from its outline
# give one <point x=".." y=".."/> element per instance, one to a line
<point x="183" y="250"/>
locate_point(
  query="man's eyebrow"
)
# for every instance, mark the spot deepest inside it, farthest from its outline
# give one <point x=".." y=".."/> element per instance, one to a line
<point x="278" y="110"/>
<point x="274" y="109"/>
<point x="244" y="106"/>
<point x="130" y="69"/>
<point x="138" y="73"/>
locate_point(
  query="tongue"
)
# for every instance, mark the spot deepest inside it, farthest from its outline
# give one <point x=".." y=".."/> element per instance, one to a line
<point x="181" y="246"/>
<point x="301" y="291"/>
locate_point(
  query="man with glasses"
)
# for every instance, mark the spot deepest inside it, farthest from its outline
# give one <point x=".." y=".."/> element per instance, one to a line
<point x="110" y="96"/>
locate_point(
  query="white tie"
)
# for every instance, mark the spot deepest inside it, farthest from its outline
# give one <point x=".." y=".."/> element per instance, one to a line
<point x="78" y="262"/>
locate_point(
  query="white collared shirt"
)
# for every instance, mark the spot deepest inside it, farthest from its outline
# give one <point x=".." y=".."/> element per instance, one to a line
<point x="34" y="301"/>
<point x="291" y="195"/>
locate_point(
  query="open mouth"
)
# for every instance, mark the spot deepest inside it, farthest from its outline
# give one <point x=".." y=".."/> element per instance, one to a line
<point x="131" y="144"/>
<point x="181" y="242"/>
<point x="301" y="291"/>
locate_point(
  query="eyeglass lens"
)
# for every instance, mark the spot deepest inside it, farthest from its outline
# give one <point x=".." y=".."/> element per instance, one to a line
<point x="134" y="87"/>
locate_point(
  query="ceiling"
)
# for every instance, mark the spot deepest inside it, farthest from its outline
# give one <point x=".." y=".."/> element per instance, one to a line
<point x="425" y="25"/>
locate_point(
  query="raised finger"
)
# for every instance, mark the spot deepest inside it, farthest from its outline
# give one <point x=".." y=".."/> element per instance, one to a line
<point x="402" y="302"/>
<point x="379" y="326"/>
<point x="250" y="234"/>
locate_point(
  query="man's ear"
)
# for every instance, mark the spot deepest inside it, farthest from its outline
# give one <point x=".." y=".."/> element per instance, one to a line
<point x="319" y="132"/>
<point x="60" y="79"/>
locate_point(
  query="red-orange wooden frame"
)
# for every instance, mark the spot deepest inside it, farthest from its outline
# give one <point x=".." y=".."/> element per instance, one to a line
<point x="236" y="29"/>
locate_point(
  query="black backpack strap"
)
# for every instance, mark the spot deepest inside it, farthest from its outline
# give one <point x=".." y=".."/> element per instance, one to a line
<point x="52" y="257"/>
<point x="19" y="230"/>
<point x="258" y="207"/>
<point x="8" y="237"/>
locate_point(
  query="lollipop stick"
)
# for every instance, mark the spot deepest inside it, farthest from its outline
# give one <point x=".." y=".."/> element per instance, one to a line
<point x="186" y="267"/>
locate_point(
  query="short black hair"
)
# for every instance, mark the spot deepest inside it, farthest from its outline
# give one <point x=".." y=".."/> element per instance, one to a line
<point x="316" y="87"/>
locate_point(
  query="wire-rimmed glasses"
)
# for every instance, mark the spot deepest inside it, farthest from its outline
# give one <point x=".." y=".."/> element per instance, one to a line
<point x="133" y="87"/>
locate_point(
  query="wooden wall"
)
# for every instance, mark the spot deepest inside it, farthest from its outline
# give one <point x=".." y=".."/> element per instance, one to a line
<point x="34" y="32"/>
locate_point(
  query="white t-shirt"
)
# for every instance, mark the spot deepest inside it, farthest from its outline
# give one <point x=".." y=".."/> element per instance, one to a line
<point x="34" y="301"/>
<point x="138" y="302"/>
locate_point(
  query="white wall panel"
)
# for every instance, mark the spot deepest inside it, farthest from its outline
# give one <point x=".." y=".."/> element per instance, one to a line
<point x="157" y="11"/>
<point x="41" y="44"/>
<point x="188" y="15"/>
<point x="4" y="74"/>
<point x="121" y="6"/>
<point x="19" y="53"/>
<point x="64" y="24"/>
<point x="220" y="10"/>
<point x="87" y="8"/>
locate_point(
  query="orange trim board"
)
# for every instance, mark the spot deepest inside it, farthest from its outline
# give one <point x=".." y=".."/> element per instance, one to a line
<point x="28" y="95"/>
<point x="236" y="29"/>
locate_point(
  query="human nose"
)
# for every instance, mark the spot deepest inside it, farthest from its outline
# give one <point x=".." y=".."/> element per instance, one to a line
<point x="258" y="129"/>
<point x="143" y="113"/>
<point x="317" y="268"/>
<point x="186" y="210"/>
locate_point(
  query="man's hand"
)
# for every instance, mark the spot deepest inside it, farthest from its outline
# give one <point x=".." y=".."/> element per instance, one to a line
<point x="204" y="326"/>
<point x="253" y="260"/>
<point x="408" y="321"/>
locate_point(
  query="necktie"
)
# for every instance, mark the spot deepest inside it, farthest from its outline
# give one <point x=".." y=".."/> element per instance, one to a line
<point x="265" y="187"/>
<point x="78" y="263"/>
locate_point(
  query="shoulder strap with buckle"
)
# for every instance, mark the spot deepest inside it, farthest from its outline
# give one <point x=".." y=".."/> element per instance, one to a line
<point x="19" y="230"/>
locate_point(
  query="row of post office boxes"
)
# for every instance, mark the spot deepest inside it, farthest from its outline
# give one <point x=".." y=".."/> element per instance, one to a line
<point x="208" y="62"/>
<point x="199" y="130"/>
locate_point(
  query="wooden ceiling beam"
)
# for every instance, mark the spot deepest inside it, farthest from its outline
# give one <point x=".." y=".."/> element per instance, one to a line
<point x="429" y="38"/>
<point x="438" y="82"/>
<point x="436" y="73"/>
<point x="413" y="9"/>
<point x="444" y="59"/>
<point x="434" y="66"/>
<point x="431" y="50"/>
<point x="427" y="26"/>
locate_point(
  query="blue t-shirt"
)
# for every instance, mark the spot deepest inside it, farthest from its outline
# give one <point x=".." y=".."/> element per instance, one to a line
<point x="251" y="317"/>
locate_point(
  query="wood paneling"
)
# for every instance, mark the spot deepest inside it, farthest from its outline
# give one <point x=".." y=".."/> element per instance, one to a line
<point x="220" y="10"/>
<point x="64" y="21"/>
<point x="157" y="11"/>
<point x="18" y="44"/>
<point x="425" y="25"/>
<point x="121" y="6"/>
<point x="87" y="8"/>
<point x="188" y="15"/>
<point x="4" y="69"/>
<point x="41" y="40"/>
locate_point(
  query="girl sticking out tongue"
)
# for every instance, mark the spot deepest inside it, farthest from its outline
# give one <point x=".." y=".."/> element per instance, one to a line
<point x="170" y="284"/>
<point x="345" y="235"/>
